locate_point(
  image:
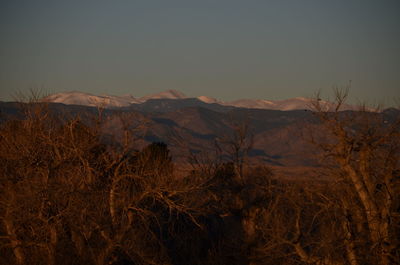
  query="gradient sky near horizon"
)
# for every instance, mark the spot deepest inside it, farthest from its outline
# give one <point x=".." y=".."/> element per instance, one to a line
<point x="226" y="49"/>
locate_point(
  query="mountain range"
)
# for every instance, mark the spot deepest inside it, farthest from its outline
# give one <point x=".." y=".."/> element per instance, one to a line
<point x="280" y="130"/>
<point x="109" y="101"/>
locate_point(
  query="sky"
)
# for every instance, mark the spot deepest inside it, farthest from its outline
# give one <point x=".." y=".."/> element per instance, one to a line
<point x="226" y="49"/>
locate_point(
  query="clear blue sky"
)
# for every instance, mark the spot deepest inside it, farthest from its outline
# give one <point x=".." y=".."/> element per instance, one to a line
<point x="221" y="48"/>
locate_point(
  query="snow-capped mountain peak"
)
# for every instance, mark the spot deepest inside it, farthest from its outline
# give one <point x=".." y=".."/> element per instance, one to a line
<point x="86" y="99"/>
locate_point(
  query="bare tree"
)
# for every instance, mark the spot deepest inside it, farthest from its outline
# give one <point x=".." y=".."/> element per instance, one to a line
<point x="69" y="198"/>
<point x="362" y="150"/>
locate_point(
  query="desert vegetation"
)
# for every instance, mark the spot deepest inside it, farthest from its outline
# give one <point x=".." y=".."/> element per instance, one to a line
<point x="71" y="195"/>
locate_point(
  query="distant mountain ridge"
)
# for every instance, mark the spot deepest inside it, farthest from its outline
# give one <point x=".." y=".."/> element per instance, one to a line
<point x="86" y="99"/>
<point x="190" y="125"/>
<point x="158" y="100"/>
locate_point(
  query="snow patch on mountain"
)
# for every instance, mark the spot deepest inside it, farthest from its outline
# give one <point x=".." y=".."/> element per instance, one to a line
<point x="298" y="103"/>
<point x="86" y="99"/>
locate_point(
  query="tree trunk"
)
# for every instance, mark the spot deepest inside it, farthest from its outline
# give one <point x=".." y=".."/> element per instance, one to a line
<point x="349" y="241"/>
<point x="15" y="243"/>
<point x="377" y="225"/>
<point x="53" y="245"/>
